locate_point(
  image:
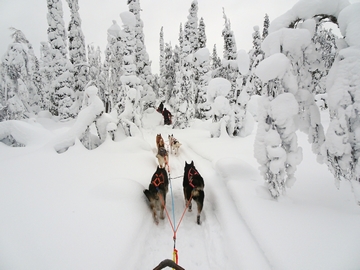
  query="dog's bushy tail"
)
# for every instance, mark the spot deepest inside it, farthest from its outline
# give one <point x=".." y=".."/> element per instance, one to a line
<point x="148" y="195"/>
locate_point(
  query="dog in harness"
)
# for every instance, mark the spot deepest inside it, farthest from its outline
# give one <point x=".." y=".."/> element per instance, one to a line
<point x="174" y="144"/>
<point x="162" y="154"/>
<point x="193" y="187"/>
<point x="156" y="193"/>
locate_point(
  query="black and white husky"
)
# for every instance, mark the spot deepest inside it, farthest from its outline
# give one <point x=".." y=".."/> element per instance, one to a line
<point x="174" y="144"/>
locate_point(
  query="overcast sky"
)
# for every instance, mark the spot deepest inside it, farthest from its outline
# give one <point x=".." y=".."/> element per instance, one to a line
<point x="29" y="16"/>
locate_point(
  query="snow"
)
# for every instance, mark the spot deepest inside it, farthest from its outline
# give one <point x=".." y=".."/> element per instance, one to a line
<point x="128" y="18"/>
<point x="272" y="67"/>
<point x="349" y="22"/>
<point x="286" y="40"/>
<point x="243" y="62"/>
<point x="218" y="87"/>
<point x="201" y="56"/>
<point x="306" y="9"/>
<point x="85" y="209"/>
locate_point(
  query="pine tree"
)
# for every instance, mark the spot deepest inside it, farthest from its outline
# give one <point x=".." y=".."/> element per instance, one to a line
<point x="215" y="60"/>
<point x="162" y="90"/>
<point x="228" y="70"/>
<point x="77" y="52"/>
<point x="47" y="75"/>
<point x="143" y="63"/>
<point x="169" y="74"/>
<point x="20" y="80"/>
<point x="253" y="84"/>
<point x="128" y="100"/>
<point x="62" y="99"/>
<point x="162" y="52"/>
<point x="202" y="67"/>
<point x="266" y="26"/>
<point x="202" y="34"/>
<point x="191" y="38"/>
<point x="94" y="62"/>
<point x="341" y="148"/>
<point x="112" y="69"/>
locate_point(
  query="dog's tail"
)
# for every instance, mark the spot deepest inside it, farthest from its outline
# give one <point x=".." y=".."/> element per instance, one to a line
<point x="148" y="195"/>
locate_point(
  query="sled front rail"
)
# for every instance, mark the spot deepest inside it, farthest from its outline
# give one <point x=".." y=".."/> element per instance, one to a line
<point x="168" y="263"/>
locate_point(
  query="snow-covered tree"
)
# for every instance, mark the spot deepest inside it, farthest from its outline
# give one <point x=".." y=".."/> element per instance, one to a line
<point x="112" y="68"/>
<point x="169" y="76"/>
<point x="202" y="67"/>
<point x="63" y="97"/>
<point x="191" y="37"/>
<point x="47" y="75"/>
<point x="243" y="122"/>
<point x="266" y="26"/>
<point x="341" y="149"/>
<point x="276" y="147"/>
<point x="229" y="68"/>
<point x="20" y="80"/>
<point x="94" y="62"/>
<point x="222" y="113"/>
<point x="162" y="52"/>
<point x="162" y="90"/>
<point x="77" y="52"/>
<point x="143" y="63"/>
<point x="253" y="84"/>
<point x="128" y="101"/>
<point x="202" y="34"/>
<point x="215" y="60"/>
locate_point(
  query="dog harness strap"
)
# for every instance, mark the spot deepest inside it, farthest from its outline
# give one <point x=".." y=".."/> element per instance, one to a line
<point x="159" y="179"/>
<point x="192" y="172"/>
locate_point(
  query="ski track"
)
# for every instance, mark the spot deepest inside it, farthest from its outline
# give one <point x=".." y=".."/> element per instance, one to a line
<point x="204" y="246"/>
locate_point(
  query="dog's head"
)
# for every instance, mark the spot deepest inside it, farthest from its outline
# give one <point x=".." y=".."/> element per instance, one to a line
<point x="188" y="166"/>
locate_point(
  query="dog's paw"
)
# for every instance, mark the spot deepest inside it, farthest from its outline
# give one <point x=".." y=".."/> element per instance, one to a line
<point x="198" y="220"/>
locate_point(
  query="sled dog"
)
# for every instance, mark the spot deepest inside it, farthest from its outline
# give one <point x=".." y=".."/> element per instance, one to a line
<point x="174" y="144"/>
<point x="156" y="193"/>
<point x="162" y="154"/>
<point x="159" y="141"/>
<point x="193" y="187"/>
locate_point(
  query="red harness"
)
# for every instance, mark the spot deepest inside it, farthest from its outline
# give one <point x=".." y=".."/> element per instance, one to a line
<point x="191" y="173"/>
<point x="159" y="179"/>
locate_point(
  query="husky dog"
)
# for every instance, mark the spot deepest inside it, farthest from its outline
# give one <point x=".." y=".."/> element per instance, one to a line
<point x="157" y="191"/>
<point x="162" y="154"/>
<point x="174" y="144"/>
<point x="159" y="141"/>
<point x="193" y="186"/>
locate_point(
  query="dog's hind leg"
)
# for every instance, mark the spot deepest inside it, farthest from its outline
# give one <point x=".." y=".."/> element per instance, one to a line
<point x="153" y="208"/>
<point x="200" y="203"/>
<point x="187" y="199"/>
<point x="162" y="205"/>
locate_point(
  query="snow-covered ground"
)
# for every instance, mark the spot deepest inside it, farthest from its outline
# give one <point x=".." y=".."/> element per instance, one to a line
<point x="86" y="209"/>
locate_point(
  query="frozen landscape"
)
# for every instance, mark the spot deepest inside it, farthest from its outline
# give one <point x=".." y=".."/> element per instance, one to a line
<point x="86" y="209"/>
<point x="274" y="132"/>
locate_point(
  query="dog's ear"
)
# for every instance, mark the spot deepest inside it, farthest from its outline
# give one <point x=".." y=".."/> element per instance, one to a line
<point x="192" y="162"/>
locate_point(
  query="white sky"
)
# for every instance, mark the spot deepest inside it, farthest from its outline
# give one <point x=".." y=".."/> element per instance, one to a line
<point x="30" y="17"/>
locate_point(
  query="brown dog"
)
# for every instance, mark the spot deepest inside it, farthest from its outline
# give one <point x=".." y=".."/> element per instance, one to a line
<point x="162" y="154"/>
